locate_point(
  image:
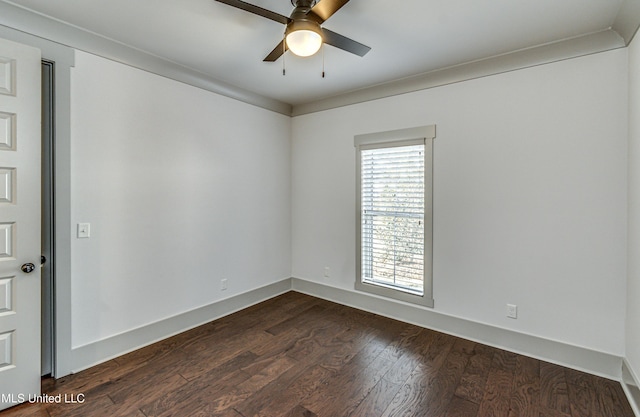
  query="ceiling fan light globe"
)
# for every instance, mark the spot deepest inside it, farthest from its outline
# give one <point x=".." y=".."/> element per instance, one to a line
<point x="304" y="42"/>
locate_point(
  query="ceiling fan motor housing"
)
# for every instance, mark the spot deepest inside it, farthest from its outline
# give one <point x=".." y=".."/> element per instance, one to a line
<point x="304" y="3"/>
<point x="302" y="19"/>
<point x="306" y="24"/>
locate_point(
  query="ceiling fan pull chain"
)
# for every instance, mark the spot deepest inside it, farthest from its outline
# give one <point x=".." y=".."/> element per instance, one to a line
<point x="323" y="60"/>
<point x="284" y="50"/>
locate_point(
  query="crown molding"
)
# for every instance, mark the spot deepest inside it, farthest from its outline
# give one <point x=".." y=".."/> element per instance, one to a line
<point x="620" y="34"/>
<point x="27" y="21"/>
<point x="627" y="21"/>
<point x="557" y="51"/>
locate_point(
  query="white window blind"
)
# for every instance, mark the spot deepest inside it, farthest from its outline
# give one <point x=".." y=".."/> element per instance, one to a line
<point x="393" y="217"/>
<point x="394" y="208"/>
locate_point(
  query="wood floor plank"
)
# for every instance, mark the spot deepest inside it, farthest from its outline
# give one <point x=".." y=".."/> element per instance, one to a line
<point x="150" y="391"/>
<point x="582" y="400"/>
<point x="347" y="344"/>
<point x="219" y="379"/>
<point x="307" y="352"/>
<point x="405" y="402"/>
<point x="344" y="390"/>
<point x="590" y="395"/>
<point x="359" y="387"/>
<point x="601" y="394"/>
<point x="270" y="312"/>
<point x="497" y="397"/>
<point x="87" y="379"/>
<point x="248" y="323"/>
<point x="219" y="352"/>
<point x="293" y="377"/>
<point x="137" y="383"/>
<point x="496" y="400"/>
<point x="247" y="388"/>
<point x="199" y="401"/>
<point x="298" y="339"/>
<point x="436" y="354"/>
<point x="409" y="398"/>
<point x="578" y="378"/>
<point x="474" y="377"/>
<point x="443" y="387"/>
<point x="553" y="388"/>
<point x="291" y="395"/>
<point x="205" y="411"/>
<point x="315" y="341"/>
<point x="612" y="398"/>
<point x="505" y="361"/>
<point x="226" y="340"/>
<point x="547" y="412"/>
<point x="300" y="356"/>
<point x="525" y="397"/>
<point x="415" y="343"/>
<point x="312" y="313"/>
<point x="459" y="407"/>
<point x="93" y="406"/>
<point x="300" y="411"/>
<point x="377" y="400"/>
<point x="26" y="410"/>
<point x="332" y="355"/>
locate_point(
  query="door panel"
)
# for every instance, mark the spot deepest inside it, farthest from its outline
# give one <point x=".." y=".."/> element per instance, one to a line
<point x="19" y="222"/>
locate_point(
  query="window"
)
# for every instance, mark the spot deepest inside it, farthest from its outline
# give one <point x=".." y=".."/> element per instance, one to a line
<point x="394" y="206"/>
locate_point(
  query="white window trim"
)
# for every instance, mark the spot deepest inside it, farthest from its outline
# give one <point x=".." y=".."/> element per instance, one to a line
<point x="396" y="138"/>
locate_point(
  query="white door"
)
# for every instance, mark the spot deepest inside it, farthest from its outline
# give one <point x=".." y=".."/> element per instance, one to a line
<point x="20" y="145"/>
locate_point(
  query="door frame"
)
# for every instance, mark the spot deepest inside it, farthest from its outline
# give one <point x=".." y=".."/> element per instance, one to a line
<point x="64" y="58"/>
<point x="48" y="224"/>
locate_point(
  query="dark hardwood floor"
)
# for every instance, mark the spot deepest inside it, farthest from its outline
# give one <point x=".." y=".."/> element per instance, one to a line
<point x="297" y="355"/>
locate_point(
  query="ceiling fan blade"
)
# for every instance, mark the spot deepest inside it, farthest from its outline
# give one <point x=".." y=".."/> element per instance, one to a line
<point x="257" y="10"/>
<point x="324" y="9"/>
<point x="344" y="43"/>
<point x="277" y="52"/>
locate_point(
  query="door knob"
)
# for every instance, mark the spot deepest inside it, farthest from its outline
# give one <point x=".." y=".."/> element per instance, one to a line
<point x="28" y="268"/>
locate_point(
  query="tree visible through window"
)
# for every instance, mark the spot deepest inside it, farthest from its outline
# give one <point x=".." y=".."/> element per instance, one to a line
<point x="394" y="214"/>
<point x="393" y="217"/>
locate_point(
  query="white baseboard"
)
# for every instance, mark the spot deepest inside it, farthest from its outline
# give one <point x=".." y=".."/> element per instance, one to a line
<point x="86" y="356"/>
<point x="631" y="386"/>
<point x="587" y="360"/>
<point x="576" y="357"/>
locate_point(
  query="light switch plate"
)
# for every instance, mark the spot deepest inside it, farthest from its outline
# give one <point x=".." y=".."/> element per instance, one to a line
<point x="84" y="230"/>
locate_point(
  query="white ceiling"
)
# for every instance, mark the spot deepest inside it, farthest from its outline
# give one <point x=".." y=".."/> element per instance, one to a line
<point x="407" y="37"/>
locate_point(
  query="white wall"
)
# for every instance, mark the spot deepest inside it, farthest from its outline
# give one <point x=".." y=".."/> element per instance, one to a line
<point x="182" y="188"/>
<point x="633" y="290"/>
<point x="530" y="196"/>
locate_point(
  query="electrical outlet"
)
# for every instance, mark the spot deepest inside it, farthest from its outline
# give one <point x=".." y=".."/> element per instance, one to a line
<point x="512" y="311"/>
<point x="223" y="284"/>
<point x="84" y="230"/>
<point x="327" y="272"/>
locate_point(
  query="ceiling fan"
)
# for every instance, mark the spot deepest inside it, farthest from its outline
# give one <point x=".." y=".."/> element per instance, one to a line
<point x="303" y="34"/>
